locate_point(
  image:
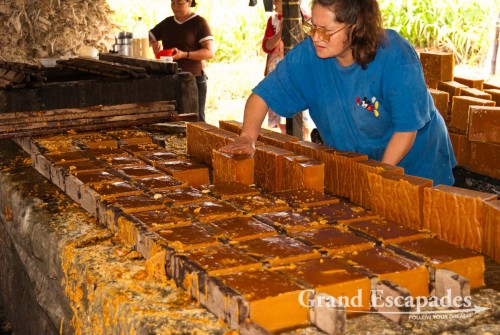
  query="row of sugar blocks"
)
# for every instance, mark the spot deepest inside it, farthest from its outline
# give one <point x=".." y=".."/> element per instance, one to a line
<point x="215" y="242"/>
<point x="470" y="107"/>
<point x="465" y="218"/>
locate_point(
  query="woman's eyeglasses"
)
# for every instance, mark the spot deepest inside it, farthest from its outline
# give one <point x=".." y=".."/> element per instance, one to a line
<point x="311" y="29"/>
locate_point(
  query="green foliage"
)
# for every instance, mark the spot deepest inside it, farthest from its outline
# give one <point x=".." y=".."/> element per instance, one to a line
<point x="463" y="27"/>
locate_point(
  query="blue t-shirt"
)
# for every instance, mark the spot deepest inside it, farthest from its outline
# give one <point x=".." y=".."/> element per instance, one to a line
<point x="359" y="110"/>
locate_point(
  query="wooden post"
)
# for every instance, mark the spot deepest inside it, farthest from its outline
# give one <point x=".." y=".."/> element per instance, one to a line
<point x="495" y="47"/>
<point x="292" y="35"/>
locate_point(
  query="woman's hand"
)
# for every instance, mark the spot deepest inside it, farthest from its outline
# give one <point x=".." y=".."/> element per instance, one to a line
<point x="156" y="46"/>
<point x="243" y="145"/>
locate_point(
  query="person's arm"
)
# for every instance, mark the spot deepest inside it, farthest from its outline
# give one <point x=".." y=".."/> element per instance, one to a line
<point x="397" y="148"/>
<point x="155" y="44"/>
<point x="207" y="51"/>
<point x="255" y="112"/>
<point x="273" y="41"/>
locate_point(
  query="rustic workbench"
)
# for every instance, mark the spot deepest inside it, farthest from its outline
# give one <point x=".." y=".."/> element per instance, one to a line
<point x="60" y="272"/>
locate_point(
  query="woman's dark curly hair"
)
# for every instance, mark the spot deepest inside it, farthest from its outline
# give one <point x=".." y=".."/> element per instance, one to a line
<point x="368" y="33"/>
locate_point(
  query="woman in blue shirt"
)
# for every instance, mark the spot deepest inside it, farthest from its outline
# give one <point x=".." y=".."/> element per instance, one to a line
<point x="364" y="88"/>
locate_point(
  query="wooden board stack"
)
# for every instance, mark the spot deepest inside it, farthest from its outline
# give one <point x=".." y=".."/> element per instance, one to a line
<point x="249" y="252"/>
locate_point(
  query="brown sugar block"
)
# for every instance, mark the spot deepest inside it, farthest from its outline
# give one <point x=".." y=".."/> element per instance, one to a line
<point x="183" y="195"/>
<point x="339" y="182"/>
<point x="269" y="166"/>
<point x="431" y="83"/>
<point x="437" y="65"/>
<point x="188" y="170"/>
<point x="95" y="140"/>
<point x="104" y="152"/>
<point x="474" y="92"/>
<point x="232" y="167"/>
<point x="136" y="203"/>
<point x="398" y="197"/>
<point x="93" y="177"/>
<point x="277" y="249"/>
<point x="131" y="136"/>
<point x="329" y="276"/>
<point x="162" y="183"/>
<point x="384" y="231"/>
<point x="484" y="159"/>
<point x="303" y="172"/>
<point x="472" y="81"/>
<point x="230" y="189"/>
<point x="156" y="157"/>
<point x="460" y="110"/>
<point x="80" y="166"/>
<point x="484" y="124"/>
<point x="276" y="139"/>
<point x="216" y="139"/>
<point x="231" y="125"/>
<point x="271" y="300"/>
<point x="66" y="157"/>
<point x="291" y="220"/>
<point x="188" y="237"/>
<point x="360" y="193"/>
<point x="438" y="254"/>
<point x="260" y="203"/>
<point x="210" y="210"/>
<point x="306" y="197"/>
<point x="159" y="219"/>
<point x="495" y="95"/>
<point x="441" y="101"/>
<point x="461" y="148"/>
<point x="332" y="240"/>
<point x="93" y="194"/>
<point x="306" y="148"/>
<point x="242" y="227"/>
<point x="127" y="232"/>
<point x="197" y="142"/>
<point x="453" y="88"/>
<point x="456" y="215"/>
<point x="491" y="239"/>
<point x="341" y="213"/>
<point x="57" y="143"/>
<point x="120" y="161"/>
<point x="382" y="264"/>
<point x="139" y="171"/>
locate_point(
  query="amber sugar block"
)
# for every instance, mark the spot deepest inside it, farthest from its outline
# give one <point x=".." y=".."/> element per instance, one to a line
<point x="276" y="139"/>
<point x="484" y="159"/>
<point x="215" y="139"/>
<point x="438" y="254"/>
<point x="136" y="203"/>
<point x="188" y="170"/>
<point x="341" y="213"/>
<point x="453" y="88"/>
<point x="232" y="167"/>
<point x="114" y="189"/>
<point x="303" y="172"/>
<point x="242" y="228"/>
<point x="291" y="220"/>
<point x="157" y="184"/>
<point x="188" y="237"/>
<point x="260" y="203"/>
<point x="495" y="95"/>
<point x="272" y="299"/>
<point x="306" y="197"/>
<point x="484" y="124"/>
<point x="231" y="125"/>
<point x="269" y="166"/>
<point x="441" y="101"/>
<point x="380" y="263"/>
<point x="139" y="171"/>
<point x="157" y="157"/>
<point x="158" y="219"/>
<point x="277" y="249"/>
<point x="196" y="140"/>
<point x="471" y="81"/>
<point x="339" y="180"/>
<point x="328" y="275"/>
<point x="67" y="156"/>
<point x="456" y="215"/>
<point x="105" y="152"/>
<point x="138" y="149"/>
<point x="474" y="92"/>
<point x="183" y="195"/>
<point x="306" y="148"/>
<point x="131" y="136"/>
<point x="120" y="161"/>
<point x="81" y="166"/>
<point x="384" y="231"/>
<point x="460" y="110"/>
<point x="95" y="140"/>
<point x="57" y="143"/>
<point x="360" y="192"/>
<point x="437" y="65"/>
<point x="332" y="240"/>
<point x="491" y="239"/>
<point x="461" y="147"/>
<point x="210" y="210"/>
<point x="228" y="190"/>
<point x="398" y="197"/>
<point x="92" y="177"/>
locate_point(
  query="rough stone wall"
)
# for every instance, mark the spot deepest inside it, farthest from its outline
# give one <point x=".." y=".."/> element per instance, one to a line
<point x="33" y="29"/>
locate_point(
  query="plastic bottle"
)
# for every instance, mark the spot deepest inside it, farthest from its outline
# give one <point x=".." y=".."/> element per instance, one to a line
<point x="140" y="42"/>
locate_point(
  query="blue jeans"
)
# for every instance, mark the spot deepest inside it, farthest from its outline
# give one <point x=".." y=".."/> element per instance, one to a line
<point x="201" y="82"/>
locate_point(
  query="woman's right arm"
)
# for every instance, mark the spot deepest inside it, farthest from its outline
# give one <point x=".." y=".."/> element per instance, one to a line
<point x="255" y="112"/>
